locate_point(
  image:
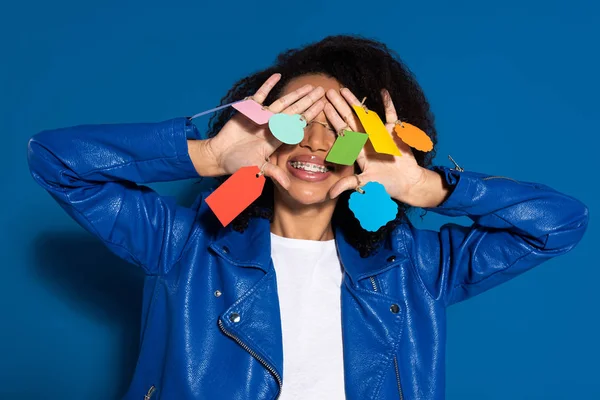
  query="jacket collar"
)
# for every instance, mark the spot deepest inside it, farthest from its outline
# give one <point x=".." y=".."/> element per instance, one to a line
<point x="252" y="248"/>
<point x="358" y="267"/>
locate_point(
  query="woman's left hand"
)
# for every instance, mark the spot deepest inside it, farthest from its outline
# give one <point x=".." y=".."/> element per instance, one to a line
<point x="403" y="179"/>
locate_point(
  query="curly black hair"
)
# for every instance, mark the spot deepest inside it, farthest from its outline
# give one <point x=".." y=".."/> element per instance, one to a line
<point x="364" y="66"/>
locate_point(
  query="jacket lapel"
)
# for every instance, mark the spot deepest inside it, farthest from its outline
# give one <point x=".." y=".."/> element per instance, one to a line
<point x="370" y="330"/>
<point x="253" y="320"/>
<point x="370" y="334"/>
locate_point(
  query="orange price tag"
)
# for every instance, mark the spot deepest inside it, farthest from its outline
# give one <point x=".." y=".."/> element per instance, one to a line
<point x="236" y="194"/>
<point x="414" y="137"/>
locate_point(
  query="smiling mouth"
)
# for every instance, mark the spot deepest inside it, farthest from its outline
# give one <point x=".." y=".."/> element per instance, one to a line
<point x="310" y="167"/>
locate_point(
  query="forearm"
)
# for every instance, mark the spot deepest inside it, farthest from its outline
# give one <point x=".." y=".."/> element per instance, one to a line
<point x="549" y="219"/>
<point x="517" y="225"/>
<point x="93" y="172"/>
<point x="140" y="153"/>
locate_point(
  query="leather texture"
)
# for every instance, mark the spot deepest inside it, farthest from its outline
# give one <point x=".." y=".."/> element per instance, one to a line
<point x="197" y="345"/>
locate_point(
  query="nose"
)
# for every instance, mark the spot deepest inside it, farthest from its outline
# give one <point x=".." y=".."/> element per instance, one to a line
<point x="317" y="138"/>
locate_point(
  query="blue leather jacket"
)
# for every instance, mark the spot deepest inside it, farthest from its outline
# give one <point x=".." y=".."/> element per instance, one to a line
<point x="211" y="325"/>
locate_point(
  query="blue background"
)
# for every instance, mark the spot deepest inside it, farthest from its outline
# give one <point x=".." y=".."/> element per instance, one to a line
<point x="514" y="88"/>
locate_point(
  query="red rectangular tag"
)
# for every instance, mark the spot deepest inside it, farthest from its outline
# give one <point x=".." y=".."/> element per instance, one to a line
<point x="236" y="194"/>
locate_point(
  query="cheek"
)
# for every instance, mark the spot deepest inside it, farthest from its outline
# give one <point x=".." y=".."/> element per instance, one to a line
<point x="280" y="155"/>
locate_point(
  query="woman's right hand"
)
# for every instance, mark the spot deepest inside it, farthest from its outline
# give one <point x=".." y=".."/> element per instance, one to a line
<point x="242" y="143"/>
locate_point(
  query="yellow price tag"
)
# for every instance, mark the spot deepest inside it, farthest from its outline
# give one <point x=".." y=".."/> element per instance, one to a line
<point x="379" y="136"/>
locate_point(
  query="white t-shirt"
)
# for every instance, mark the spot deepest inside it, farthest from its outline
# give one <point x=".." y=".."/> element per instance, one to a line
<point x="309" y="277"/>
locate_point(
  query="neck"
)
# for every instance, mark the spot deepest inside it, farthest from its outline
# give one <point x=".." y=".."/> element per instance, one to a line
<point x="311" y="222"/>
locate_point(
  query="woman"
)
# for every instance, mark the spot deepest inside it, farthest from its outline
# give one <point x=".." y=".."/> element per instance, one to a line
<point x="294" y="299"/>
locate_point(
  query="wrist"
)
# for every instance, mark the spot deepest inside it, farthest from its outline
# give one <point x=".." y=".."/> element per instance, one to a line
<point x="204" y="158"/>
<point x="430" y="191"/>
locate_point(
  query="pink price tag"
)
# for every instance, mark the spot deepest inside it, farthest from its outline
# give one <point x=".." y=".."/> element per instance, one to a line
<point x="254" y="111"/>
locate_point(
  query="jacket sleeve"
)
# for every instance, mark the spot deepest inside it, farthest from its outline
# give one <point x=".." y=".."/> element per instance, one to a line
<point x="92" y="171"/>
<point x="517" y="225"/>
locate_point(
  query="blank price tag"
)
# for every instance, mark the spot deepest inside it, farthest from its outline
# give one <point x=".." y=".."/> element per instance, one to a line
<point x="378" y="134"/>
<point x="374" y="208"/>
<point x="346" y="148"/>
<point x="288" y="129"/>
<point x="254" y="111"/>
<point x="414" y="137"/>
<point x="236" y="194"/>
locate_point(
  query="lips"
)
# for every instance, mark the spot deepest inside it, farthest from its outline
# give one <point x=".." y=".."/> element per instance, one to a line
<point x="309" y="168"/>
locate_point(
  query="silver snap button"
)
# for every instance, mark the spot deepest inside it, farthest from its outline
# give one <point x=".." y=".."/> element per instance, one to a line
<point x="218" y="293"/>
<point x="394" y="308"/>
<point x="235" y="317"/>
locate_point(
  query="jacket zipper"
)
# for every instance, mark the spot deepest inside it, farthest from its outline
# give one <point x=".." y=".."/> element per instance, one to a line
<point x="456" y="166"/>
<point x="150" y="393"/>
<point x="373" y="283"/>
<point x="398" y="379"/>
<point x="460" y="169"/>
<point x="253" y="354"/>
<point x="487" y="178"/>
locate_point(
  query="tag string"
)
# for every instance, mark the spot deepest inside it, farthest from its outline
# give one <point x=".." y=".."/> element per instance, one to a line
<point x="212" y="110"/>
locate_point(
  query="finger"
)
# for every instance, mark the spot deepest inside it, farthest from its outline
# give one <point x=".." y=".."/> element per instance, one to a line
<point x="313" y="110"/>
<point x="266" y="88"/>
<point x="350" y="97"/>
<point x="361" y="160"/>
<point x="343" y="108"/>
<point x="334" y="118"/>
<point x="277" y="174"/>
<point x="346" y="183"/>
<point x="402" y="146"/>
<point x="290" y="98"/>
<point x="390" y="111"/>
<point x="305" y="102"/>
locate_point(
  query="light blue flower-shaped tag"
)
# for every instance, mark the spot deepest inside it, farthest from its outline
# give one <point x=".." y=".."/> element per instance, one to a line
<point x="374" y="208"/>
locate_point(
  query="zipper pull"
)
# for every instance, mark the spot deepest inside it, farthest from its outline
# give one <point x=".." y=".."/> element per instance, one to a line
<point x="150" y="392"/>
<point x="456" y="166"/>
<point x="372" y="279"/>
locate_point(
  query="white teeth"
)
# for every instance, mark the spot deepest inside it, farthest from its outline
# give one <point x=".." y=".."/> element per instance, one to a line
<point x="308" y="166"/>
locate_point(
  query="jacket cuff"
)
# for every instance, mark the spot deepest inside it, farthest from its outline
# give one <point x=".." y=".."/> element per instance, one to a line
<point x="461" y="186"/>
<point x="182" y="130"/>
<point x="191" y="131"/>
